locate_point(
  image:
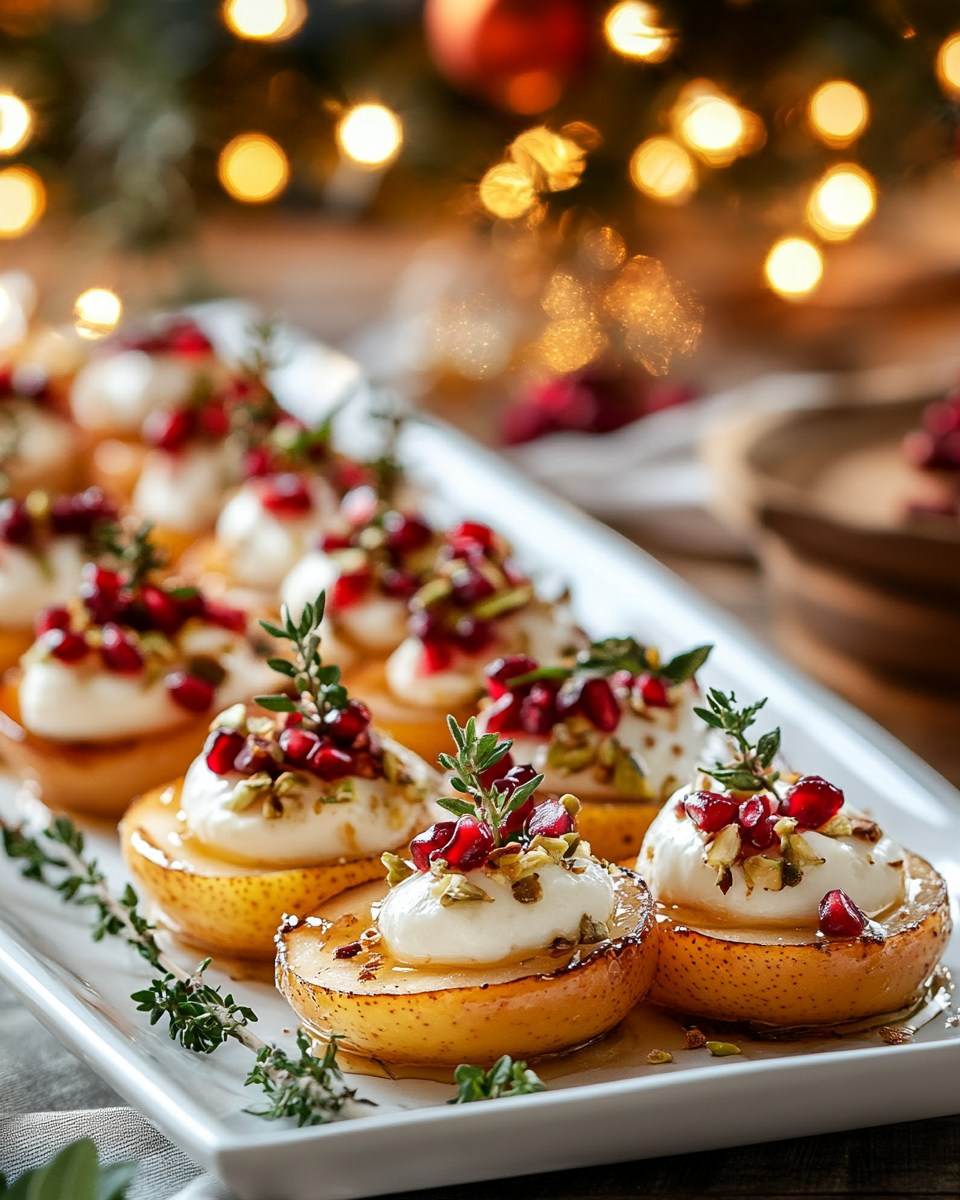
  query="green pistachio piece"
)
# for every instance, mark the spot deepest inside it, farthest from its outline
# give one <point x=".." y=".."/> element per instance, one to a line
<point x="457" y="889"/>
<point x="398" y="869"/>
<point x="723" y="1049"/>
<point x="248" y="791"/>
<point x="784" y="827"/>
<point x="503" y="602"/>
<point x="570" y="803"/>
<point x="657" y="1057"/>
<point x="608" y="752"/>
<point x="432" y="592"/>
<point x="527" y="890"/>
<point x="838" y="826"/>
<point x="764" y="873"/>
<point x="799" y="853"/>
<point x="234" y="717"/>
<point x="569" y="759"/>
<point x="628" y="779"/>
<point x="723" y="850"/>
<point x="590" y="931"/>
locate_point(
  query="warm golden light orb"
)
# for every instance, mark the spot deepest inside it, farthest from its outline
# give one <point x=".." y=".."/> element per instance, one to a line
<point x="16" y="123"/>
<point x="22" y="200"/>
<point x="635" y="30"/>
<point x="370" y="135"/>
<point x="507" y="191"/>
<point x="264" y="20"/>
<point x="843" y="200"/>
<point x="838" y="112"/>
<point x="948" y="65"/>
<point x="97" y="312"/>
<point x="253" y="168"/>
<point x="662" y="169"/>
<point x="793" y="267"/>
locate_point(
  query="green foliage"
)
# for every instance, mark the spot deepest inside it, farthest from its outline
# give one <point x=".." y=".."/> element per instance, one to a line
<point x="292" y="1085"/>
<point x="505" y="1078"/>
<point x="132" y="551"/>
<point x="319" y="688"/>
<point x="751" y="766"/>
<point x="74" y="1174"/>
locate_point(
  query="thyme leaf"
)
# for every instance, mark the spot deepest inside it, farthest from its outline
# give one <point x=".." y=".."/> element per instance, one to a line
<point x="751" y="766"/>
<point x="505" y="1078"/>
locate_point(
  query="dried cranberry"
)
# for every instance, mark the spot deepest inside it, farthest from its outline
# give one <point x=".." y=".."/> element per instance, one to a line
<point x="16" y="524"/>
<point x="490" y="776"/>
<point x="346" y="724"/>
<point x="118" y="652"/>
<point x="161" y="608"/>
<point x="190" y="691"/>
<point x="599" y="705"/>
<point x="285" y="495"/>
<point x="812" y="801"/>
<point x="469" y="845"/>
<point x="398" y="584"/>
<point x="168" y="430"/>
<point x="471" y="535"/>
<point x="502" y="670"/>
<point x="52" y="618"/>
<point x="65" y="646"/>
<point x="710" y="811"/>
<point x="472" y="635"/>
<point x="470" y="586"/>
<point x="405" y="533"/>
<point x="549" y="819"/>
<point x="538" y="710"/>
<point x="349" y="588"/>
<point x="297" y="745"/>
<point x="756" y="822"/>
<point x="427" y="844"/>
<point x="503" y="715"/>
<point x="221" y="750"/>
<point x="224" y="615"/>
<point x="840" y="917"/>
<point x="652" y="690"/>
<point x="330" y="762"/>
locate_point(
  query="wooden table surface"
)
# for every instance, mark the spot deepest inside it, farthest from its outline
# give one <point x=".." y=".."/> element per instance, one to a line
<point x="331" y="280"/>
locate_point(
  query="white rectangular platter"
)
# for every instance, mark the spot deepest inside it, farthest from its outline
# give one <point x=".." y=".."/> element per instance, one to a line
<point x="81" y="989"/>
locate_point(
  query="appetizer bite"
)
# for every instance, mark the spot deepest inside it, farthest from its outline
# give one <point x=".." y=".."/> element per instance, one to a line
<point x="778" y="904"/>
<point x="38" y="448"/>
<point x="44" y="542"/>
<point x="115" y="692"/>
<point x="283" y="809"/>
<point x="500" y="933"/>
<point x="474" y="604"/>
<point x="617" y="727"/>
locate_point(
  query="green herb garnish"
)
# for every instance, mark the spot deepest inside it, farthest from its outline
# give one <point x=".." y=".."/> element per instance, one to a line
<point x="132" y="550"/>
<point x="505" y="1078"/>
<point x="750" y="769"/>
<point x="318" y="687"/>
<point x="75" y="1173"/>
<point x="614" y="654"/>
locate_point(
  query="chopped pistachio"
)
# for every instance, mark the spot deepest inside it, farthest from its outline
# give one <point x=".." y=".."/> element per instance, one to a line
<point x="695" y="1038"/>
<point x="838" y="826"/>
<point x="234" y="717"/>
<point x="398" y="869"/>
<point x="590" y="931"/>
<point x="503" y="602"/>
<point x="628" y="778"/>
<point x="527" y="890"/>
<point x="764" y="873"/>
<point x="722" y="1049"/>
<point x="865" y="829"/>
<point x="260" y="726"/>
<point x="896" y="1035"/>
<point x="723" y="851"/>
<point x="656" y="1057"/>
<point x="799" y="853"/>
<point x="569" y="759"/>
<point x="457" y="889"/>
<point x="608" y="752"/>
<point x="432" y="592"/>
<point x="785" y="826"/>
<point x="248" y="791"/>
<point x="343" y="793"/>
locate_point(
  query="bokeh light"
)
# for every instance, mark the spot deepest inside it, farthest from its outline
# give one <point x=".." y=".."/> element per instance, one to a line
<point x="264" y="20"/>
<point x="370" y="135"/>
<point x="662" y="169"/>
<point x="843" y="200"/>
<point x="793" y="268"/>
<point x="635" y="30"/>
<point x="716" y="128"/>
<point x="16" y="123"/>
<point x="660" y="318"/>
<point x="97" y="312"/>
<point x="22" y="200"/>
<point x="253" y="168"/>
<point x="948" y="65"/>
<point x="570" y="343"/>
<point x="553" y="162"/>
<point x="604" y="247"/>
<point x="506" y="191"/>
<point x="838" y="112"/>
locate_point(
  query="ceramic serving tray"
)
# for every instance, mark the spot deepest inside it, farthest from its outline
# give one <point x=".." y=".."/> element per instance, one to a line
<point x="604" y="1104"/>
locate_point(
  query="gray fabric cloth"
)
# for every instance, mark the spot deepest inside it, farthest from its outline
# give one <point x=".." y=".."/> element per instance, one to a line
<point x="49" y="1099"/>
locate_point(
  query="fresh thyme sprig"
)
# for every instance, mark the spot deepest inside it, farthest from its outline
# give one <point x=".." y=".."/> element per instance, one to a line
<point x="613" y="654"/>
<point x="198" y="1015"/>
<point x="751" y="766"/>
<point x="476" y="753"/>
<point x="318" y="687"/>
<point x="132" y="550"/>
<point x="505" y="1078"/>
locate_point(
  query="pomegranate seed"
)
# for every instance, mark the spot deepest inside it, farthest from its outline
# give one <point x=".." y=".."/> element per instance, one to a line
<point x="398" y="584"/>
<point x="161" y="608"/>
<point x="942" y="418"/>
<point x="621" y="679"/>
<point x="538" y="710"/>
<point x="99" y="590"/>
<point x="65" y="646"/>
<point x="426" y="845"/>
<point x="425" y="624"/>
<point x="298" y="744"/>
<point x="189" y="340"/>
<point x="468" y="847"/>
<point x="350" y="588"/>
<point x="213" y="420"/>
<point x="437" y="656"/>
<point x="405" y="533"/>
<point x="599" y="705"/>
<point x="329" y="762"/>
<point x="839" y="916"/>
<point x="351" y="475"/>
<point x="221" y="750"/>
<point x="168" y="430"/>
<point x="471" y="535"/>
<point x="710" y="812"/>
<point x="256" y="754"/>
<point x="516" y="777"/>
<point x="224" y="615"/>
<point x="470" y="586"/>
<point x="285" y="495"/>
<point x="756" y="822"/>
<point x="335" y="541"/>
<point x="652" y="691"/>
<point x="550" y="819"/>
<point x="190" y="691"/>
<point x="16" y="524"/>
<point x="499" y="769"/>
<point x="472" y="635"/>
<point x="500" y="672"/>
<point x="118" y="652"/>
<point x="257" y="463"/>
<point x="346" y="724"/>
<point x="812" y="801"/>
<point x="503" y="716"/>
<point x="52" y="618"/>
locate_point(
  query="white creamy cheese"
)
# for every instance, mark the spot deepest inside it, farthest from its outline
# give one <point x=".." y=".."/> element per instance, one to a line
<point x="29" y="584"/>
<point x="86" y="702"/>
<point x="417" y="928"/>
<point x="44" y="442"/>
<point x="672" y="862"/>
<point x="378" y="623"/>
<point x="183" y="491"/>
<point x="116" y="393"/>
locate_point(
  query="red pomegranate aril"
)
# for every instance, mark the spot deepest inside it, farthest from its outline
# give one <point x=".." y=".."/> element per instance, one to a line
<point x="538" y="710"/>
<point x="298" y="744"/>
<point x="652" y="690"/>
<point x="437" y="656"/>
<point x="161" y="608"/>
<point x="472" y="635"/>
<point x="502" y="670"/>
<point x="599" y="705"/>
<point x="499" y="769"/>
<point x="550" y="819"/>
<point x="621" y="679"/>
<point x="224" y="615"/>
<point x="405" y="533"/>
<point x="335" y="541"/>
<point x="169" y="430"/>
<point x="16" y="525"/>
<point x="470" y="586"/>
<point x="503" y="716"/>
<point x="190" y="691"/>
<point x="425" y="624"/>
<point x="52" y="618"/>
<point x="256" y="754"/>
<point x="763" y="835"/>
<point x="330" y="762"/>
<point x="430" y="842"/>
<point x="118" y="652"/>
<point x="64" y="646"/>
<point x="257" y="463"/>
<point x="398" y="584"/>
<point x="285" y="495"/>
<point x="710" y="811"/>
<point x="812" y="801"/>
<point x="350" y="588"/>
<point x="213" y="420"/>
<point x="346" y="724"/>
<point x="221" y="750"/>
<point x="839" y="916"/>
<point x="189" y="340"/>
<point x="470" y="535"/>
<point x="468" y="847"/>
